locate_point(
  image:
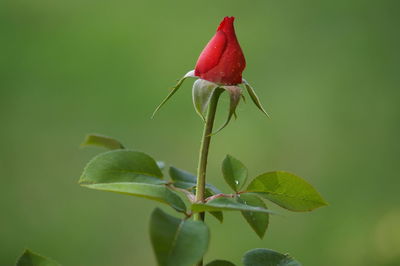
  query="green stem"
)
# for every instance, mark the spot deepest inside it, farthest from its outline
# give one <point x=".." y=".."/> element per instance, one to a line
<point x="204" y="148"/>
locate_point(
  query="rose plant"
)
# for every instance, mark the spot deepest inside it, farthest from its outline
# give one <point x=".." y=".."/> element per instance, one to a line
<point x="183" y="240"/>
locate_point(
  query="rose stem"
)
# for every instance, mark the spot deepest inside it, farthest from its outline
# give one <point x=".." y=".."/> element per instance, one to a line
<point x="203" y="154"/>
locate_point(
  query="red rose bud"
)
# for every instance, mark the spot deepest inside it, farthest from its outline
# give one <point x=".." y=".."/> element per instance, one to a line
<point x="220" y="66"/>
<point x="222" y="60"/>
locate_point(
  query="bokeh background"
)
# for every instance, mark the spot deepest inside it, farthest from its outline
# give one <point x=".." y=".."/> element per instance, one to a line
<point x="327" y="71"/>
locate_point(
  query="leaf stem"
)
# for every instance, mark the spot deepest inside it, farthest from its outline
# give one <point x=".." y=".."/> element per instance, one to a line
<point x="220" y="195"/>
<point x="189" y="195"/>
<point x="203" y="154"/>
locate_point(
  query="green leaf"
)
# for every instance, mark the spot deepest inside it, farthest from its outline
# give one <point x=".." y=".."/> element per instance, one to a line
<point x="217" y="214"/>
<point x="190" y="74"/>
<point x="186" y="180"/>
<point x="213" y="189"/>
<point x="225" y="204"/>
<point x="181" y="178"/>
<point x="220" y="263"/>
<point x="202" y="92"/>
<point x="254" y="97"/>
<point x="122" y="166"/>
<point x="129" y="172"/>
<point x="287" y="190"/>
<point x="159" y="193"/>
<point x="235" y="173"/>
<point x="102" y="141"/>
<point x="29" y="258"/>
<point x="161" y="165"/>
<point x="257" y="220"/>
<point x="177" y="242"/>
<point x="267" y="257"/>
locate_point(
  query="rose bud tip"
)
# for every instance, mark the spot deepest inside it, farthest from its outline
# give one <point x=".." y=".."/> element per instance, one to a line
<point x="222" y="60"/>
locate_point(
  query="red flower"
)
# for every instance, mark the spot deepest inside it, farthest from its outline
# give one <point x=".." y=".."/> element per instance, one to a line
<point x="222" y="60"/>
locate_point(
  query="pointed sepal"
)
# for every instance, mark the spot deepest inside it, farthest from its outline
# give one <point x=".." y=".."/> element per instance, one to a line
<point x="190" y="74"/>
<point x="235" y="93"/>
<point x="202" y="92"/>
<point x="254" y="97"/>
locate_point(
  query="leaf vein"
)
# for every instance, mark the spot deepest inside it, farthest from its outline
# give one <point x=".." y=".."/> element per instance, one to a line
<point x="175" y="240"/>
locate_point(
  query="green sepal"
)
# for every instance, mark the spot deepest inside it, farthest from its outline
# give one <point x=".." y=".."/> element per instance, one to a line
<point x="254" y="97"/>
<point x="234" y="99"/>
<point x="190" y="74"/>
<point x="201" y="93"/>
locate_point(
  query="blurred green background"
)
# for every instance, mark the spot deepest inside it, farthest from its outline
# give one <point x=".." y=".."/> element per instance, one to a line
<point x="327" y="71"/>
